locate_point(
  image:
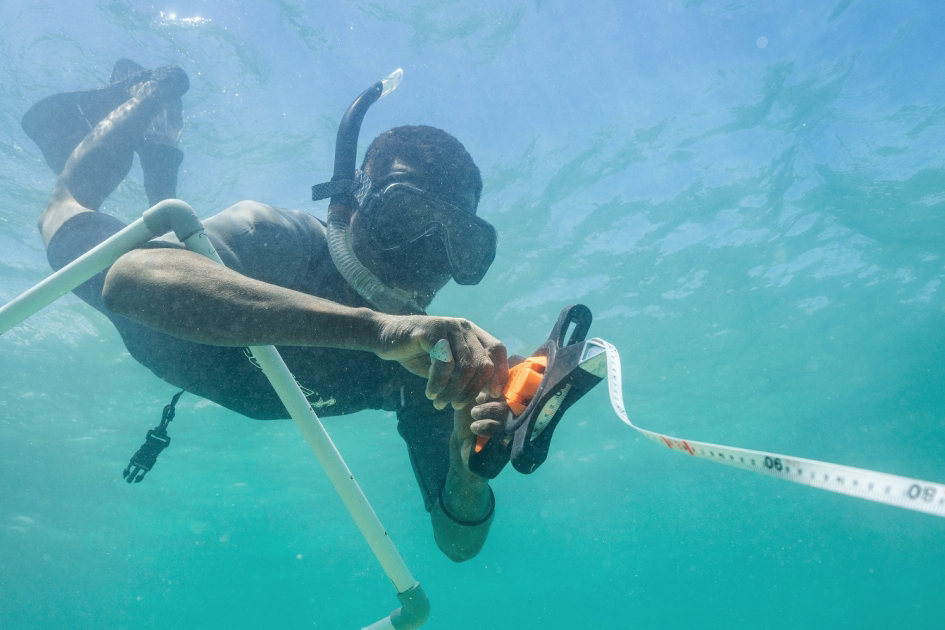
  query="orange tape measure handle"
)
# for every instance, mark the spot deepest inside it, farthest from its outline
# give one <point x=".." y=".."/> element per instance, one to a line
<point x="524" y="380"/>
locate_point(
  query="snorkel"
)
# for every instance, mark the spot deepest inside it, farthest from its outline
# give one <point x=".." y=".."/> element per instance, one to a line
<point x="345" y="184"/>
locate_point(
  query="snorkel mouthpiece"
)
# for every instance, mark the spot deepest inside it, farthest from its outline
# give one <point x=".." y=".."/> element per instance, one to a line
<point x="391" y="81"/>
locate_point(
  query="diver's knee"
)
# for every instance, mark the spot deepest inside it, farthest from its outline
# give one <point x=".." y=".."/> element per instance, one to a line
<point x="62" y="206"/>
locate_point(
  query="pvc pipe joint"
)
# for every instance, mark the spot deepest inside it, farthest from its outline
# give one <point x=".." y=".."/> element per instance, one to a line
<point x="414" y="611"/>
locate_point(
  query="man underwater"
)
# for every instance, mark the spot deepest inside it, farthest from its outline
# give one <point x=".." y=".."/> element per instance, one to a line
<point x="189" y="320"/>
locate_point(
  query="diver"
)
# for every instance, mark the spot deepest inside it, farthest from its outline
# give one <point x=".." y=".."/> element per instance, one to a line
<point x="406" y="231"/>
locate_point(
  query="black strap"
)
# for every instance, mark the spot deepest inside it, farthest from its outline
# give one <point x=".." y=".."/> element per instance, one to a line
<point x="155" y="442"/>
<point x="330" y="189"/>
<point x="475" y="523"/>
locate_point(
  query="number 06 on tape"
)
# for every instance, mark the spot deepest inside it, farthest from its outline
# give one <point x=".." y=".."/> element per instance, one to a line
<point x="912" y="494"/>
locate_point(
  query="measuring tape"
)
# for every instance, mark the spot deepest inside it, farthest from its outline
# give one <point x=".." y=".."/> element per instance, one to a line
<point x="911" y="494"/>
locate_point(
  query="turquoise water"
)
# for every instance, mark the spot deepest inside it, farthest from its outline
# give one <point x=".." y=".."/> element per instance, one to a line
<point x="750" y="200"/>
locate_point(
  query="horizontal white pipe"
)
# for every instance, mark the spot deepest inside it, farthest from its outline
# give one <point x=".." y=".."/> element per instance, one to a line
<point x="73" y="274"/>
<point x="383" y="624"/>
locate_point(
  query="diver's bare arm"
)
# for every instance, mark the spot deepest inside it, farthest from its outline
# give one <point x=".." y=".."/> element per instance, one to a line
<point x="188" y="296"/>
<point x="462" y="517"/>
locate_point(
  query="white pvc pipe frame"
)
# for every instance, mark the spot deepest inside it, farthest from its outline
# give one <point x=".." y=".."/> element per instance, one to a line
<point x="176" y="215"/>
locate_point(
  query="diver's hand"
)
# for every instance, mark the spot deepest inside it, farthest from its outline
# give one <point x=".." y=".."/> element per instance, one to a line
<point x="488" y="414"/>
<point x="462" y="440"/>
<point x="465" y="431"/>
<point x="479" y="360"/>
<point x="491" y="410"/>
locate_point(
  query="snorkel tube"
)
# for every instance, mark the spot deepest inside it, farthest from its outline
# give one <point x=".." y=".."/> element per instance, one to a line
<point x="345" y="182"/>
<point x="346" y="142"/>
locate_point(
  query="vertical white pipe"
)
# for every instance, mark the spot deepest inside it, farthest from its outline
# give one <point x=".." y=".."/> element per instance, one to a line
<point x="174" y="212"/>
<point x="336" y="469"/>
<point x="319" y="441"/>
<point x="324" y="449"/>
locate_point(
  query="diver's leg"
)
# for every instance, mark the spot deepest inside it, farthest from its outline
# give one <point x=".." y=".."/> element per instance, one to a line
<point x="102" y="160"/>
<point x="159" y="163"/>
<point x="159" y="155"/>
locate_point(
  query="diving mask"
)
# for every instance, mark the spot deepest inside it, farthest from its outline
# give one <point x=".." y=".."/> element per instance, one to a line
<point x="399" y="215"/>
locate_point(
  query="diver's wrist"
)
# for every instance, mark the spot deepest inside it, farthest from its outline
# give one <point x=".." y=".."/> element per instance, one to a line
<point x="461" y="475"/>
<point x="327" y="324"/>
<point x="469" y="516"/>
<point x="367" y="329"/>
<point x="467" y="497"/>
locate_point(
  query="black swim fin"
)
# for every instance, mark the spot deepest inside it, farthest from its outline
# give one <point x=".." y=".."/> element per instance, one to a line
<point x="125" y="69"/>
<point x="58" y="123"/>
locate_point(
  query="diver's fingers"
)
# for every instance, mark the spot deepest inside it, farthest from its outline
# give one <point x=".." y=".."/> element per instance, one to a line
<point x="490" y="366"/>
<point x="438" y="378"/>
<point x="480" y="379"/>
<point x="495" y="410"/>
<point x="500" y="376"/>
<point x="466" y="362"/>
<point x="478" y="361"/>
<point x="485" y="427"/>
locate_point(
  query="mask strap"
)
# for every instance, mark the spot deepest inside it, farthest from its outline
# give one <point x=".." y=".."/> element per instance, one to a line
<point x="359" y="188"/>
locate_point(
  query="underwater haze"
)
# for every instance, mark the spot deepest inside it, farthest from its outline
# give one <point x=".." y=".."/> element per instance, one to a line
<point x="749" y="196"/>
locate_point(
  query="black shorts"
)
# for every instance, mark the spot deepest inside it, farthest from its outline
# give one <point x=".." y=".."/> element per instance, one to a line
<point x="150" y="347"/>
<point x="76" y="236"/>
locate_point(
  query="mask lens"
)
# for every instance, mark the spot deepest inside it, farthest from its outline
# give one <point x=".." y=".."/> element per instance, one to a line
<point x="402" y="218"/>
<point x="403" y="214"/>
<point x="470" y="246"/>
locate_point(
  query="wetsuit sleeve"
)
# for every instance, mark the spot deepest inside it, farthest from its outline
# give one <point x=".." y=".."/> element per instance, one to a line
<point x="269" y="244"/>
<point x="426" y="431"/>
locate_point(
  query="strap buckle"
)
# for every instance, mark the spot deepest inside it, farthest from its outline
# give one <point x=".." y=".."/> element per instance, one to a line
<point x="156" y="441"/>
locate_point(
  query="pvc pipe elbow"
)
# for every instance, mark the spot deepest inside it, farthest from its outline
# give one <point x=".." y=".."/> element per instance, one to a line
<point x="415" y="609"/>
<point x="172" y="215"/>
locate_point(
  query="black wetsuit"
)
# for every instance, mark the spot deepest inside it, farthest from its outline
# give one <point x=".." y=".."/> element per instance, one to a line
<point x="289" y="249"/>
